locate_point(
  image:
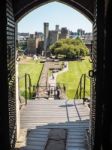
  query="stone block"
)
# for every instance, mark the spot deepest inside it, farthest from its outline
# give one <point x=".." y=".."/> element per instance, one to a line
<point x="55" y="145"/>
<point x="57" y="134"/>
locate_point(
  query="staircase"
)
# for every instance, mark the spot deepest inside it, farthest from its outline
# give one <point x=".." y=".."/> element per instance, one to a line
<point x="40" y="116"/>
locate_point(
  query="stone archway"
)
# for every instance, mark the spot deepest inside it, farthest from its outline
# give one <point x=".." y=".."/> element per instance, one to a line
<point x="12" y="11"/>
<point x="103" y="72"/>
<point x="22" y="8"/>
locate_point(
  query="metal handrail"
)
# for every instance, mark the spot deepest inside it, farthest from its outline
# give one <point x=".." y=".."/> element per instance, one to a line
<point x="81" y="89"/>
<point x="27" y="76"/>
<point x="29" y="89"/>
<point x="40" y="76"/>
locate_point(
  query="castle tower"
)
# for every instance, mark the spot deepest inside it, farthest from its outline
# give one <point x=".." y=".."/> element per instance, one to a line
<point x="57" y="28"/>
<point x="46" y="34"/>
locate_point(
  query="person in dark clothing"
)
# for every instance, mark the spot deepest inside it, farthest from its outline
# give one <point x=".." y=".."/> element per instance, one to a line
<point x="52" y="76"/>
<point x="48" y="92"/>
<point x="58" y="93"/>
<point x="51" y="91"/>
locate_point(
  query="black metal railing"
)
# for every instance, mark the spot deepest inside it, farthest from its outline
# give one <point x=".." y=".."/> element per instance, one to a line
<point x="81" y="89"/>
<point x="29" y="89"/>
<point x="40" y="76"/>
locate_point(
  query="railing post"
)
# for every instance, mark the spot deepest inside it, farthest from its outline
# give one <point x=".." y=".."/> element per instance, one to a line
<point x="81" y="90"/>
<point x="81" y="87"/>
<point x="25" y="89"/>
<point x="19" y="89"/>
<point x="77" y="94"/>
<point x="29" y="86"/>
<point x="47" y="81"/>
<point x="84" y="86"/>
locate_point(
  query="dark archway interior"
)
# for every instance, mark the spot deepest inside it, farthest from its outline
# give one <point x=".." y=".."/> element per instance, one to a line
<point x="22" y="8"/>
<point x="101" y="121"/>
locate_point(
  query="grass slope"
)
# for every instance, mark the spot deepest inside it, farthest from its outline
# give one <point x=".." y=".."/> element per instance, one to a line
<point x="72" y="76"/>
<point x="32" y="68"/>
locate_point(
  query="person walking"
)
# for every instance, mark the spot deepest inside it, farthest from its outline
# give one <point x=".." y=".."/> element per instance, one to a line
<point x="52" y="76"/>
<point x="51" y="91"/>
<point x="58" y="93"/>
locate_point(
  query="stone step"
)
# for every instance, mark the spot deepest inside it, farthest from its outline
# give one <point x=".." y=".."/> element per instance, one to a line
<point x="39" y="135"/>
<point x="33" y="139"/>
<point x="75" y="148"/>
<point x="32" y="126"/>
<point x="33" y="147"/>
<point x="39" y="116"/>
<point x="75" y="140"/>
<point x="37" y="143"/>
<point x="61" y="125"/>
<point x="34" y="132"/>
<point x="78" y="144"/>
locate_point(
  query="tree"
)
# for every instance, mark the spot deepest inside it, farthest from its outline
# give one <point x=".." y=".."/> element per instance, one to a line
<point x="53" y="47"/>
<point x="70" y="48"/>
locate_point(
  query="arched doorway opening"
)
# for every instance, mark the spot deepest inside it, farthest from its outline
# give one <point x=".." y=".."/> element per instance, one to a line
<point x="21" y="9"/>
<point x="101" y="73"/>
<point x="63" y="106"/>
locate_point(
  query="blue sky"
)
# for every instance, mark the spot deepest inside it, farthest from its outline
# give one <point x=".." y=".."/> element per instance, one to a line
<point x="54" y="13"/>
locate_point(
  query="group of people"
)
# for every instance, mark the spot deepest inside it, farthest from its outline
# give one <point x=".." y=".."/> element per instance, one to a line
<point x="54" y="92"/>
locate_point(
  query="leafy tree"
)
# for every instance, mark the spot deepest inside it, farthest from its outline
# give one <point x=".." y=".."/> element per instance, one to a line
<point x="70" y="48"/>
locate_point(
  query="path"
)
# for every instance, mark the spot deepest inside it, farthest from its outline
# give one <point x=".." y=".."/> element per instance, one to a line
<point x="52" y="81"/>
<point x="46" y="81"/>
<point x="43" y="81"/>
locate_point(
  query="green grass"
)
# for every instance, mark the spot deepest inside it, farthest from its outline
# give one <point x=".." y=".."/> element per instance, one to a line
<point x="49" y="73"/>
<point x="32" y="68"/>
<point x="71" y="78"/>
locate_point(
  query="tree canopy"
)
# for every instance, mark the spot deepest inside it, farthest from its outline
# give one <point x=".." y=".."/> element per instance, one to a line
<point x="70" y="48"/>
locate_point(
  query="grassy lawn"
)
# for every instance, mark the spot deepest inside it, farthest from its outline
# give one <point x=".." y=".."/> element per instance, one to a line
<point x="31" y="67"/>
<point x="72" y="76"/>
